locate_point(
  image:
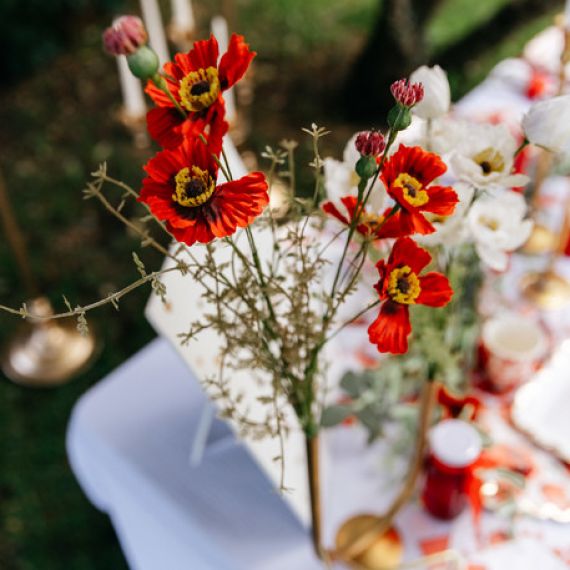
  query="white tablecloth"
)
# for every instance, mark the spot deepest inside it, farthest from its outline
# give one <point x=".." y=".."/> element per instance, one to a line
<point x="129" y="442"/>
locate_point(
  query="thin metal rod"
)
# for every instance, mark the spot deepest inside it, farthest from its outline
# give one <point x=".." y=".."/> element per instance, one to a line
<point x="382" y="524"/>
<point x="312" y="444"/>
<point x="16" y="240"/>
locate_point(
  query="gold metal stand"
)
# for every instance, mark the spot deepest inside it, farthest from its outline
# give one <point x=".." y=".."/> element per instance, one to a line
<point x="182" y="38"/>
<point x="364" y="534"/>
<point x="384" y="553"/>
<point x="136" y="125"/>
<point x="42" y="352"/>
<point x="46" y="353"/>
<point x="313" y="472"/>
<point x="547" y="289"/>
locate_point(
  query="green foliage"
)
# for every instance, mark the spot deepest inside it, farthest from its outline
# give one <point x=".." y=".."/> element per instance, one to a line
<point x="442" y="347"/>
<point x="32" y="32"/>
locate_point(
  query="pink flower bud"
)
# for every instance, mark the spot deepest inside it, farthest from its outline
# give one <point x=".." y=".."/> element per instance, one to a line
<point x="370" y="143"/>
<point x="125" y="36"/>
<point x="407" y="94"/>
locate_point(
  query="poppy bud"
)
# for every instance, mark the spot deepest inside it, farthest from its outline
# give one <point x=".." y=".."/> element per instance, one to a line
<point x="143" y="63"/>
<point x="370" y="143"/>
<point x="125" y="36"/>
<point x="366" y="167"/>
<point x="407" y="94"/>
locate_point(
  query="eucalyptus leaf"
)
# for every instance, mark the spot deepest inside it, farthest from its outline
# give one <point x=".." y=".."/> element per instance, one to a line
<point x="334" y="415"/>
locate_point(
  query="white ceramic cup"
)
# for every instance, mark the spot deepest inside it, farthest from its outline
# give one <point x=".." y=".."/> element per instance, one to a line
<point x="514" y="347"/>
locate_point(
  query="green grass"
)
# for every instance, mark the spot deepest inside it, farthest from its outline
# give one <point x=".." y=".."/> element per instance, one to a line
<point x="55" y="128"/>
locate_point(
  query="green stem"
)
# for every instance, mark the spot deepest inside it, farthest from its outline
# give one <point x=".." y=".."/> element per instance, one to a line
<point x="160" y="82"/>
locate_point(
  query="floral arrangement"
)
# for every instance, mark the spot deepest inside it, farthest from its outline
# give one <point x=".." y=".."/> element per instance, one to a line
<point x="414" y="205"/>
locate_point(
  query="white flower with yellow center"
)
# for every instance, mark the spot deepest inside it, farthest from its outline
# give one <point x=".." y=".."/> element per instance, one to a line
<point x="480" y="154"/>
<point x="498" y="226"/>
<point x="341" y="179"/>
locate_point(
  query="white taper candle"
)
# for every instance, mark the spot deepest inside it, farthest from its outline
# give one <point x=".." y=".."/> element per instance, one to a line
<point x="182" y="15"/>
<point x="219" y="28"/>
<point x="133" y="97"/>
<point x="153" y="22"/>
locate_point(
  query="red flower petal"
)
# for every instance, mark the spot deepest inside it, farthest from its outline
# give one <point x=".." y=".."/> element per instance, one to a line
<point x="442" y="200"/>
<point x="436" y="290"/>
<point x="196" y="231"/>
<point x="165" y="126"/>
<point x="414" y="222"/>
<point x="390" y="331"/>
<point x="166" y="164"/>
<point x="391" y="228"/>
<point x="235" y="61"/>
<point x="407" y="252"/>
<point x="415" y="161"/>
<point x="332" y="210"/>
<point x="204" y="54"/>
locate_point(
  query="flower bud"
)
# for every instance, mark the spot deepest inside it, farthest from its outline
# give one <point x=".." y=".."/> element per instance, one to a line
<point x="143" y="63"/>
<point x="437" y="96"/>
<point x="370" y="143"/>
<point x="366" y="167"/>
<point x="407" y="94"/>
<point x="399" y="118"/>
<point x="547" y="124"/>
<point x="125" y="36"/>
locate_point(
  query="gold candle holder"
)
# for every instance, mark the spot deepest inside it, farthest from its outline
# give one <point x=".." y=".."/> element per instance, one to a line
<point x="384" y="552"/>
<point x="547" y="288"/>
<point x="46" y="353"/>
<point x="42" y="352"/>
<point x="136" y="125"/>
<point x="182" y="38"/>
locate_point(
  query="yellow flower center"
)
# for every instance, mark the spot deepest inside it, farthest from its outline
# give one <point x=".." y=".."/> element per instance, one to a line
<point x="490" y="223"/>
<point x="194" y="187"/>
<point x="403" y="285"/>
<point x="199" y="89"/>
<point x="490" y="160"/>
<point x="414" y="193"/>
<point x="372" y="221"/>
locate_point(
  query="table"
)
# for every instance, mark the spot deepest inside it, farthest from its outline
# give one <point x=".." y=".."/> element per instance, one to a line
<point x="129" y="442"/>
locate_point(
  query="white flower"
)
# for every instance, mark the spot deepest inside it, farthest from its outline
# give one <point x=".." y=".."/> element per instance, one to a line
<point x="451" y="230"/>
<point x="498" y="227"/>
<point x="482" y="154"/>
<point x="547" y="124"/>
<point x="437" y="96"/>
<point x="341" y="178"/>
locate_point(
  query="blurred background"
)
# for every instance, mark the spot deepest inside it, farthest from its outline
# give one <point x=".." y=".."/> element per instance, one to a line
<point x="324" y="61"/>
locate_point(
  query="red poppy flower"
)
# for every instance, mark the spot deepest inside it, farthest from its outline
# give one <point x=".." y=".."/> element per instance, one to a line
<point x="181" y="189"/>
<point x="407" y="175"/>
<point x="196" y="81"/>
<point x="401" y="286"/>
<point x="370" y="224"/>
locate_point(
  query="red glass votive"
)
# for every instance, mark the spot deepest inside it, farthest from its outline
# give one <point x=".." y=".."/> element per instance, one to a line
<point x="455" y="446"/>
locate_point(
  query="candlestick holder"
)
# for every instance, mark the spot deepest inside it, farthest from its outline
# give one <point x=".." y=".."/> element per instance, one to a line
<point x="547" y="289"/>
<point x="45" y="353"/>
<point x="136" y="125"/>
<point x="384" y="553"/>
<point x="181" y="37"/>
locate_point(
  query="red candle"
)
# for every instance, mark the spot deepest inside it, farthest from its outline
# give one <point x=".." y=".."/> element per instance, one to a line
<point x="455" y="446"/>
